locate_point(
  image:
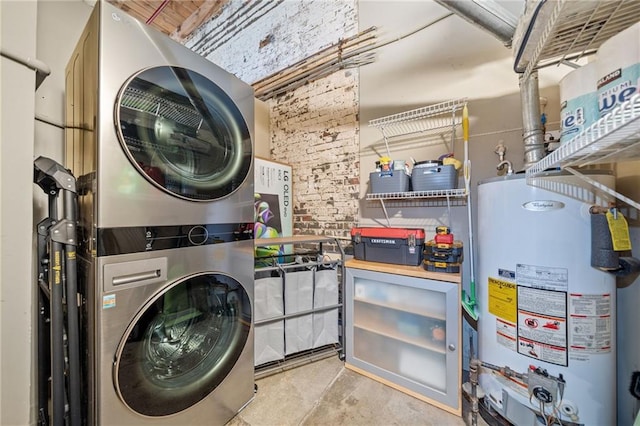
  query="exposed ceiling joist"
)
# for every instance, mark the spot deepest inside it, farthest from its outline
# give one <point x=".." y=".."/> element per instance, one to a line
<point x="176" y="18"/>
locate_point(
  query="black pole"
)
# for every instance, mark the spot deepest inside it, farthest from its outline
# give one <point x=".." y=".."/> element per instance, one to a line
<point x="73" y="329"/>
<point x="43" y="359"/>
<point x="57" y="335"/>
<point x="61" y="275"/>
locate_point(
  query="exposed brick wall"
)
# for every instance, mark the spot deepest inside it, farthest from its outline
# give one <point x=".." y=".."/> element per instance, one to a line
<point x="253" y="39"/>
<point x="315" y="128"/>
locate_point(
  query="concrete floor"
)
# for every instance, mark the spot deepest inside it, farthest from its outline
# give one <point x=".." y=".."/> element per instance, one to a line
<point x="325" y="393"/>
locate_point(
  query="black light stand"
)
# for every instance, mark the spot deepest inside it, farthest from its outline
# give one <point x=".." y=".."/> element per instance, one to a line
<point x="58" y="360"/>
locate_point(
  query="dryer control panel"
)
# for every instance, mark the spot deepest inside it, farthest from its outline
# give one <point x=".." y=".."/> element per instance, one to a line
<point x="124" y="240"/>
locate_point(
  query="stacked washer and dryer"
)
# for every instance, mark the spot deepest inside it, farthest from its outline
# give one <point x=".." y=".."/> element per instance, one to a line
<point x="160" y="140"/>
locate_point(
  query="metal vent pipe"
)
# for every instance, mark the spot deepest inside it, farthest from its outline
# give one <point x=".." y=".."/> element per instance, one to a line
<point x="487" y="14"/>
<point x="532" y="133"/>
<point x="497" y="20"/>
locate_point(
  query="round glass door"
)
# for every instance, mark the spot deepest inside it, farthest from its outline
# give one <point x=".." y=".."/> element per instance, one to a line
<point x="183" y="133"/>
<point x="182" y="344"/>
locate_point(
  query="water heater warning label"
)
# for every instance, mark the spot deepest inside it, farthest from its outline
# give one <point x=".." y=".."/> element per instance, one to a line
<point x="542" y="324"/>
<point x="502" y="299"/>
<point x="590" y="316"/>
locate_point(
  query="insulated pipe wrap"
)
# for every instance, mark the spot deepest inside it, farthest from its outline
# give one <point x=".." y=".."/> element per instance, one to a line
<point x="602" y="254"/>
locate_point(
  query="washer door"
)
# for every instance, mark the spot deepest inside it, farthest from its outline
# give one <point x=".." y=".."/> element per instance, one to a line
<point x="182" y="344"/>
<point x="183" y="133"/>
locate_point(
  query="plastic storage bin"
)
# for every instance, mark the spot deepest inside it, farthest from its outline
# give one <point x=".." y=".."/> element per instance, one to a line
<point x="381" y="182"/>
<point x="432" y="177"/>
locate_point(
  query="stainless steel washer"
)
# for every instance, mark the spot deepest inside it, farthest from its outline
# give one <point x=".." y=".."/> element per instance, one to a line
<point x="173" y="335"/>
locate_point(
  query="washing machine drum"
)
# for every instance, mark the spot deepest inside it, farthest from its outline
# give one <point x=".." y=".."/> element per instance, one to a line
<point x="182" y="344"/>
<point x="183" y="133"/>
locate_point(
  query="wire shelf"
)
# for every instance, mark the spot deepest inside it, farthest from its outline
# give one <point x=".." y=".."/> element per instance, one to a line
<point x="615" y="137"/>
<point x="423" y="119"/>
<point x="442" y="193"/>
<point x="579" y="27"/>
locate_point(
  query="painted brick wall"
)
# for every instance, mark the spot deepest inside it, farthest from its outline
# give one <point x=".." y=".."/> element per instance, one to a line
<point x="315" y="128"/>
<point x="253" y="39"/>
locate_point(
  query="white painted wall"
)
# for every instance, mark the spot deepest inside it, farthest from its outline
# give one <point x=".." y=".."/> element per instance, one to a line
<point x="450" y="60"/>
<point x="60" y="24"/>
<point x="628" y="340"/>
<point x="265" y="40"/>
<point x="16" y="227"/>
<point x="23" y="204"/>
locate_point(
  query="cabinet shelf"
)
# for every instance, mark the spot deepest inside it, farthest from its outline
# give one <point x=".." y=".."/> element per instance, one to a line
<point x="391" y="336"/>
<point x="571" y="29"/>
<point x="399" y="308"/>
<point x="394" y="336"/>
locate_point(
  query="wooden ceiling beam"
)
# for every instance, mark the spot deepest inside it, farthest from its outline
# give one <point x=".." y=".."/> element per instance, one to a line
<point x="207" y="10"/>
<point x="178" y="19"/>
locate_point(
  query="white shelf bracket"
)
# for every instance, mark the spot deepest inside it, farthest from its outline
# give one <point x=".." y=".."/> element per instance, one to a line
<point x="603" y="188"/>
<point x="386" y="215"/>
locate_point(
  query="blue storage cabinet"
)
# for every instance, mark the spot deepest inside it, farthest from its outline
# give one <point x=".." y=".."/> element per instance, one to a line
<point x="403" y="329"/>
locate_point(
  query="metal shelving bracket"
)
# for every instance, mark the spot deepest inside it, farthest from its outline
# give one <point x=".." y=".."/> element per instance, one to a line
<point x="439" y="116"/>
<point x="613" y="138"/>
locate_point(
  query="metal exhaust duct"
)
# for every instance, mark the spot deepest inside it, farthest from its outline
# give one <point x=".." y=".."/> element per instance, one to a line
<point x="497" y="20"/>
<point x="532" y="133"/>
<point x="486" y="14"/>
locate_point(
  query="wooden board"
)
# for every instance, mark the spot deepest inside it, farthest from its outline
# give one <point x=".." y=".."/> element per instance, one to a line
<point x="411" y="271"/>
<point x="177" y="18"/>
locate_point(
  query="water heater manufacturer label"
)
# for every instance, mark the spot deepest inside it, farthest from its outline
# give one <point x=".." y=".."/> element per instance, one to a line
<point x="545" y="277"/>
<point x="543" y="205"/>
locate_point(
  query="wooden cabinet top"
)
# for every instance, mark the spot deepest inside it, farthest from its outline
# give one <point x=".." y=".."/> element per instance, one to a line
<point x="411" y="271"/>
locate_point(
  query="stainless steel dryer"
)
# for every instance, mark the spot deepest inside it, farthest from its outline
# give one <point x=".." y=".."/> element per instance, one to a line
<point x="160" y="141"/>
<point x="161" y="135"/>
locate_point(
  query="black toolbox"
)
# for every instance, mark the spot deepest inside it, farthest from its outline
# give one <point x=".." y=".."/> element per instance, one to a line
<point x="451" y="268"/>
<point x="401" y="246"/>
<point x="448" y="253"/>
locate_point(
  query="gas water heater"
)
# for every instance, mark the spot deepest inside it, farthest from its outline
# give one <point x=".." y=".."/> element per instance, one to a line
<point x="547" y="318"/>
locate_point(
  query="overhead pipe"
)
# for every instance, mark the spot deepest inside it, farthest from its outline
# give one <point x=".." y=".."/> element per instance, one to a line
<point x="42" y="70"/>
<point x="532" y="132"/>
<point x="486" y="14"/>
<point x="157" y="12"/>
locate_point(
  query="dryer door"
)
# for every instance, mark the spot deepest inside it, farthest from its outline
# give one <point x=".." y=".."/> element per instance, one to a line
<point x="183" y="133"/>
<point x="182" y="344"/>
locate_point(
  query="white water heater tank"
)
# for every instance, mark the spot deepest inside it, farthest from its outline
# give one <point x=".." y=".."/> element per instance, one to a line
<point x="542" y="306"/>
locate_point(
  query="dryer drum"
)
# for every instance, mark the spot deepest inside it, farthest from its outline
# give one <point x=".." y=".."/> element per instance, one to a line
<point x="183" y="345"/>
<point x="176" y="121"/>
